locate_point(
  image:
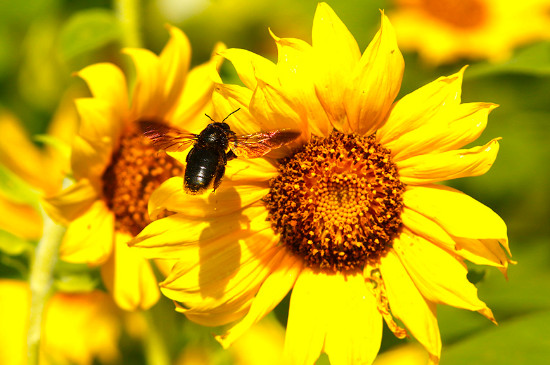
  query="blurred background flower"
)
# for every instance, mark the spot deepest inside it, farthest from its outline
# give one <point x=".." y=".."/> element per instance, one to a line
<point x="77" y="329"/>
<point x="42" y="42"/>
<point x="444" y="31"/>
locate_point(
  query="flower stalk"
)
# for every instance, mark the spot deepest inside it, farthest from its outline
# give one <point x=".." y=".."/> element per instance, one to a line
<point x="40" y="281"/>
<point x="127" y="12"/>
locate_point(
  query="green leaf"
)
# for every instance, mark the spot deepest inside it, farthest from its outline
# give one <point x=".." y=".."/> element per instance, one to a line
<point x="54" y="142"/>
<point x="88" y="30"/>
<point x="523" y="340"/>
<point x="16" y="189"/>
<point x="69" y="277"/>
<point x="13" y="245"/>
<point x="534" y="60"/>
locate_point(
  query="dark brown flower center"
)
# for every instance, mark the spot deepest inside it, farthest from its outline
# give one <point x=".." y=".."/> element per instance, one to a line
<point x="136" y="170"/>
<point x="462" y="14"/>
<point x="337" y="202"/>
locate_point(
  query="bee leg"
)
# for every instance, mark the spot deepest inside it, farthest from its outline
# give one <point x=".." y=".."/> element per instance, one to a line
<point x="230" y="155"/>
<point x="219" y="175"/>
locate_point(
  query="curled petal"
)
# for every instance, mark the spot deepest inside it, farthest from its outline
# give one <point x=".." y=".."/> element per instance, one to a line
<point x="425" y="169"/>
<point x="407" y="304"/>
<point x="420" y="106"/>
<point x="375" y="82"/>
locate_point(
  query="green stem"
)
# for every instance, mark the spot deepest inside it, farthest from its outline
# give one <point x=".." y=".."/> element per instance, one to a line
<point x="40" y="281"/>
<point x="156" y="351"/>
<point x="128" y="14"/>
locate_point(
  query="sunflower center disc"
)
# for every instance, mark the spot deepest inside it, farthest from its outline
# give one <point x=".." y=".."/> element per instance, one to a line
<point x="135" y="171"/>
<point x="462" y="14"/>
<point x="337" y="202"/>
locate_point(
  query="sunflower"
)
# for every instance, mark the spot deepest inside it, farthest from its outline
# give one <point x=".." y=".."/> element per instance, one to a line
<point x="116" y="169"/>
<point x="350" y="217"/>
<point x="78" y="327"/>
<point x="444" y="30"/>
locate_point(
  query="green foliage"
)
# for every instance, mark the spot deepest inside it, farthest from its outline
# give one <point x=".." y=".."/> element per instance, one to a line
<point x="88" y="30"/>
<point x="531" y="60"/>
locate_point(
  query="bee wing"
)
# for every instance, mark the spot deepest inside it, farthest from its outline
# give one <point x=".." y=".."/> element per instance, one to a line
<point x="258" y="144"/>
<point x="165" y="137"/>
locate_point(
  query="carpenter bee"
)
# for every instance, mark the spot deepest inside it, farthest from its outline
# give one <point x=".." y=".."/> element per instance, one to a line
<point x="212" y="148"/>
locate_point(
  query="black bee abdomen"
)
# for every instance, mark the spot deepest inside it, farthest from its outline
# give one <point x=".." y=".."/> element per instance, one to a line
<point x="202" y="167"/>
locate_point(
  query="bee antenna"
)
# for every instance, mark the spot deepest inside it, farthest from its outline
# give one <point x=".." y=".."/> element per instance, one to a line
<point x="210" y="117"/>
<point x="233" y="112"/>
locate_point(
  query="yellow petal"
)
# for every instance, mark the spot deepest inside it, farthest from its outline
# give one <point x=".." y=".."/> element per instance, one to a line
<point x="148" y="90"/>
<point x="173" y="66"/>
<point x="97" y="137"/>
<point x="19" y="219"/>
<point x="447" y="131"/>
<point x="408" y="305"/>
<point x="250" y="66"/>
<point x="232" y="195"/>
<point x="271" y="292"/>
<point x="219" y="286"/>
<point x="481" y="252"/>
<point x="228" y="98"/>
<point x="195" y="99"/>
<point x="129" y="277"/>
<point x="71" y="202"/>
<point x="334" y="313"/>
<point x="167" y="238"/>
<point x="439" y="276"/>
<point x="262" y="344"/>
<point x="337" y="53"/>
<point x="272" y="109"/>
<point x="108" y="84"/>
<point x="63" y="128"/>
<point x="21" y="156"/>
<point x="375" y="82"/>
<point x="354" y="332"/>
<point x="90" y="237"/>
<point x="15" y="299"/>
<point x="425" y="169"/>
<point x="81" y="328"/>
<point x="295" y="71"/>
<point x="420" y="106"/>
<point x="457" y="213"/>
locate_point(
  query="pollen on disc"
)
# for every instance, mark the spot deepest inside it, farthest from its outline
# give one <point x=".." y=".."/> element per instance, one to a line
<point x="337" y="202"/>
<point x="135" y="171"/>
